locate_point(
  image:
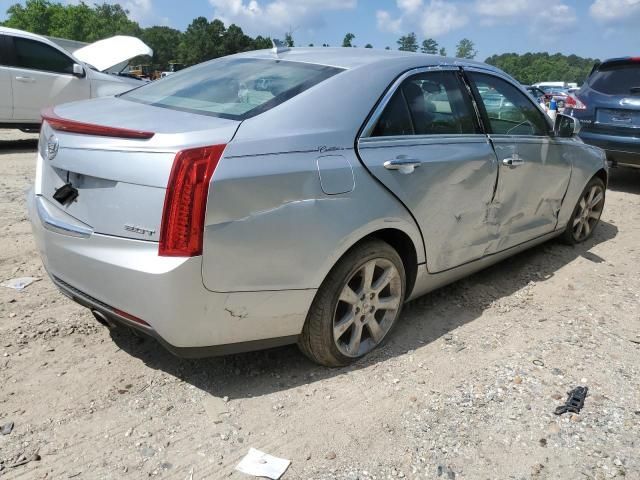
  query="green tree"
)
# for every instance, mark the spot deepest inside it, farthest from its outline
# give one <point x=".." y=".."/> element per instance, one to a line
<point x="201" y="41"/>
<point x="442" y="52"/>
<point x="408" y="43"/>
<point x="348" y="39"/>
<point x="466" y="49"/>
<point x="530" y="68"/>
<point x="429" y="46"/>
<point x="288" y="39"/>
<point x="34" y="16"/>
<point x="164" y="41"/>
<point x="260" y="42"/>
<point x="368" y="45"/>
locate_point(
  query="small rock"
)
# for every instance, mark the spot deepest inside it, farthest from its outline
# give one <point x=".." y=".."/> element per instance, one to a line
<point x="575" y="418"/>
<point x="556" y="396"/>
<point x="543" y="442"/>
<point x="330" y="456"/>
<point x="7" y="428"/>
<point x="517" y="380"/>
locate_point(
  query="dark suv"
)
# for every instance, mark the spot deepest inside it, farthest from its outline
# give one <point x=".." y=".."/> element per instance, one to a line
<point x="608" y="107"/>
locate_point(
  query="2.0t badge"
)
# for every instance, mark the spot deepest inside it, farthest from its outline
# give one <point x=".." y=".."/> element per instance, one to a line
<point x="140" y="230"/>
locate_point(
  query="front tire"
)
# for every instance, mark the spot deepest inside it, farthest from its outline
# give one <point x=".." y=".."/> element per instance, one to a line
<point x="356" y="306"/>
<point x="586" y="213"/>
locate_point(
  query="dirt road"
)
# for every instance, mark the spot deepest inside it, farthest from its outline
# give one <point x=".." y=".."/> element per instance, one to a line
<point x="464" y="389"/>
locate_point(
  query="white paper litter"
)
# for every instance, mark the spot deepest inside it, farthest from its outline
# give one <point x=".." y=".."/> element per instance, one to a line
<point x="20" y="283"/>
<point x="260" y="464"/>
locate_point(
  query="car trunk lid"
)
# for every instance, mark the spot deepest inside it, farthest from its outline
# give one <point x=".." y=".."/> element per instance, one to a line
<point x="120" y="181"/>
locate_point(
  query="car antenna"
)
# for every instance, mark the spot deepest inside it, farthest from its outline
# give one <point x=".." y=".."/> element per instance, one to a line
<point x="278" y="46"/>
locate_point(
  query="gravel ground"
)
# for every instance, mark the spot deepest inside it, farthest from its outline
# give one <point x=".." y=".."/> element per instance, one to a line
<point x="465" y="388"/>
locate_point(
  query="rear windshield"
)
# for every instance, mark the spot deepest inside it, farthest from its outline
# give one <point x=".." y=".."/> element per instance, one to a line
<point x="617" y="79"/>
<point x="232" y="88"/>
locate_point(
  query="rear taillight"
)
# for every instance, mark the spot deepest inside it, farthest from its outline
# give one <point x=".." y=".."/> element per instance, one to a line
<point x="73" y="126"/>
<point x="186" y="201"/>
<point x="574" y="102"/>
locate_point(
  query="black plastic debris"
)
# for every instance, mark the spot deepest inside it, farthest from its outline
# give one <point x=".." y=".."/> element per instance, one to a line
<point x="6" y="428"/>
<point x="574" y="402"/>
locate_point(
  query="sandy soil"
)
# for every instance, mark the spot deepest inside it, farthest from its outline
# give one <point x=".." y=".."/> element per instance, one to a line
<point x="464" y="389"/>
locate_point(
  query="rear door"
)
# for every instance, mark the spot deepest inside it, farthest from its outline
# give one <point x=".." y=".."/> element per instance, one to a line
<point x="534" y="169"/>
<point x="42" y="76"/>
<point x="6" y="93"/>
<point x="424" y="143"/>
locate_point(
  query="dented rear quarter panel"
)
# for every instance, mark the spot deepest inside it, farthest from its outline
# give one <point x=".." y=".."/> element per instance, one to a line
<point x="270" y="225"/>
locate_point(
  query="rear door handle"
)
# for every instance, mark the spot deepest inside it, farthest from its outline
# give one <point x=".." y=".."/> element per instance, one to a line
<point x="403" y="164"/>
<point x="513" y="161"/>
<point x="25" y="79"/>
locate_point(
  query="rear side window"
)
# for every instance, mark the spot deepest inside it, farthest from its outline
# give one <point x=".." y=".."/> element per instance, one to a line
<point x="428" y="104"/>
<point x="617" y="79"/>
<point x="232" y="88"/>
<point x="34" y="55"/>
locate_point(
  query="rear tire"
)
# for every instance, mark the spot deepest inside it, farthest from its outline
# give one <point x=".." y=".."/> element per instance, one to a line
<point x="586" y="214"/>
<point x="356" y="306"/>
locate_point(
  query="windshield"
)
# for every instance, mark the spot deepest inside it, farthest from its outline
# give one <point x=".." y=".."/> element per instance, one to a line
<point x="617" y="79"/>
<point x="232" y="88"/>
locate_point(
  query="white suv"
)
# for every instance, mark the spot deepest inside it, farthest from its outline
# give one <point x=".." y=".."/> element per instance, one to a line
<point x="37" y="73"/>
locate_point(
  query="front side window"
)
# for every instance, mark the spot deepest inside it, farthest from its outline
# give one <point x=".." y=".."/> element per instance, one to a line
<point x="34" y="55"/>
<point x="429" y="103"/>
<point x="509" y="110"/>
<point x="232" y="88"/>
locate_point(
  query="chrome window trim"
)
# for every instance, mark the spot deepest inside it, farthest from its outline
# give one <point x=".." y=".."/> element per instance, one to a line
<point x="382" y="104"/>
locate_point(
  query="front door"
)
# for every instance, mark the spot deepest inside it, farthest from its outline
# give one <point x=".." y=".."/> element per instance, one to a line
<point x="42" y="76"/>
<point x="424" y="144"/>
<point x="534" y="169"/>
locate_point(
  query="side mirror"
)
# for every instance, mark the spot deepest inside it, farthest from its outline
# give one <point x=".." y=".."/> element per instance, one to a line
<point x="566" y="126"/>
<point x="78" y="70"/>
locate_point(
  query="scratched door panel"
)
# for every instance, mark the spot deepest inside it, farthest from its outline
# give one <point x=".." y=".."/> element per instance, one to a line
<point x="449" y="194"/>
<point x="529" y="193"/>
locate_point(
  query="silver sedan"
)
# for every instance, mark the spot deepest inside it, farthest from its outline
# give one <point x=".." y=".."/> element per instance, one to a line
<point x="300" y="196"/>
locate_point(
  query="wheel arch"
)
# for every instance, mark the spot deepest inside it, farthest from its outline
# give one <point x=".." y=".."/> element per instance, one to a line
<point x="402" y="243"/>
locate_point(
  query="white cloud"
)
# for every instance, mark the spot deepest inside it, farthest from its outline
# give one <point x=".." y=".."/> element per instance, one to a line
<point x="274" y="17"/>
<point x="139" y="10"/>
<point x="430" y="20"/>
<point x="441" y="17"/>
<point x="542" y="16"/>
<point x="615" y="10"/>
<point x="388" y="24"/>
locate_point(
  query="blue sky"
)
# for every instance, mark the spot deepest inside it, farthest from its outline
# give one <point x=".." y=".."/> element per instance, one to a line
<point x="590" y="28"/>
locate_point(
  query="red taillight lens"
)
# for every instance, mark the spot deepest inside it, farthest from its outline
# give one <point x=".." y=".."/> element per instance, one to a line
<point x="186" y="200"/>
<point x="574" y="102"/>
<point x="73" y="126"/>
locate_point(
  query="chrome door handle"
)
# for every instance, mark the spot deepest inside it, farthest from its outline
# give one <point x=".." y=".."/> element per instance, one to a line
<point x="25" y="79"/>
<point x="403" y="164"/>
<point x="513" y="161"/>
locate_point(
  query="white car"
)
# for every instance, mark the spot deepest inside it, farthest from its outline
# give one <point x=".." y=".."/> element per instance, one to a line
<point x="37" y="74"/>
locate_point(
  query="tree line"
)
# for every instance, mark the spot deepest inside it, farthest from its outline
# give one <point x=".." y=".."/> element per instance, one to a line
<point x="205" y="39"/>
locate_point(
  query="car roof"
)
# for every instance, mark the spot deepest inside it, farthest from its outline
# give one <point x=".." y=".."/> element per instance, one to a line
<point x="22" y="33"/>
<point x="351" y="58"/>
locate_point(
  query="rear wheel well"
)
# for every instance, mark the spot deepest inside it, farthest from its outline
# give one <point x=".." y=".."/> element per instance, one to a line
<point x="402" y="243"/>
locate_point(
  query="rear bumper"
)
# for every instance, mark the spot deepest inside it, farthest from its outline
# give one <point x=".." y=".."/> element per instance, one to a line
<point x="111" y="274"/>
<point x="621" y="150"/>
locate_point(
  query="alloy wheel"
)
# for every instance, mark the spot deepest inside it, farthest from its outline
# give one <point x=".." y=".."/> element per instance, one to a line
<point x="588" y="214"/>
<point x="367" y="307"/>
